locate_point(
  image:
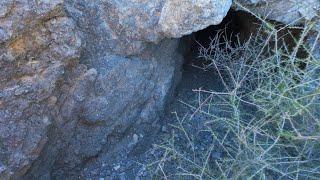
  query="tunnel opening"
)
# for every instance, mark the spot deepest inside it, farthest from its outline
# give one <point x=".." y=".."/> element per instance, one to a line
<point x="237" y="26"/>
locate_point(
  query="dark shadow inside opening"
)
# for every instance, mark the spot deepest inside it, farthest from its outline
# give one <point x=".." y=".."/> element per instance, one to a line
<point x="236" y="23"/>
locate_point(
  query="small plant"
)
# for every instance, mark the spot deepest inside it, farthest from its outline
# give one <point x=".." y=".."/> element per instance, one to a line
<point x="265" y="124"/>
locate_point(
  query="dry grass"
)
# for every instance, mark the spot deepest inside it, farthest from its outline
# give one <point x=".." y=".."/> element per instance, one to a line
<point x="266" y="122"/>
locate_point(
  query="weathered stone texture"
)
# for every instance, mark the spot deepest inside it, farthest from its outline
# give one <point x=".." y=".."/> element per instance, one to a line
<point x="182" y="17"/>
<point x="53" y="110"/>
<point x="73" y="73"/>
<point x="286" y="11"/>
<point x="37" y="47"/>
<point x="128" y="25"/>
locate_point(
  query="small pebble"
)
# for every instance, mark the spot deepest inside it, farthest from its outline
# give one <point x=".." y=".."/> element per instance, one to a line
<point x="117" y="167"/>
<point x="135" y="139"/>
<point x="164" y="129"/>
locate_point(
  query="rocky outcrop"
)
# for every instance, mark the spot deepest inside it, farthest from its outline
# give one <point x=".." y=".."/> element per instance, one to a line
<point x="129" y="25"/>
<point x="291" y="12"/>
<point x="180" y="18"/>
<point x="39" y="46"/>
<point x="75" y="72"/>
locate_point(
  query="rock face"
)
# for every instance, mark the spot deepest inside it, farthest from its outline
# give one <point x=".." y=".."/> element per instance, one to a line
<point x="129" y="25"/>
<point x="184" y="17"/>
<point x="38" y="48"/>
<point x="75" y="73"/>
<point x="288" y="12"/>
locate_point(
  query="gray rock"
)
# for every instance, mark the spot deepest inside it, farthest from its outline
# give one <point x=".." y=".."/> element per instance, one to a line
<point x="180" y="18"/>
<point x="76" y="73"/>
<point x="126" y="92"/>
<point x="125" y="27"/>
<point x="37" y="47"/>
<point x="97" y="110"/>
<point x="288" y="12"/>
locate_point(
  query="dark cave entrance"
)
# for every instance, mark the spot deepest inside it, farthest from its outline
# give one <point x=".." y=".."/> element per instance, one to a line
<point x="237" y="25"/>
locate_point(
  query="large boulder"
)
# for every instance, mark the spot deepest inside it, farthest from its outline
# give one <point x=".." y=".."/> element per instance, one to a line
<point x="128" y="25"/>
<point x="75" y="74"/>
<point x="38" y="46"/>
<point x="182" y="17"/>
<point x="72" y="72"/>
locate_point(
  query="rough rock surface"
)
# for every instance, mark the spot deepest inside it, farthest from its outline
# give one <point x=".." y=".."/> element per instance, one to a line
<point x="127" y="93"/>
<point x="38" y="46"/>
<point x="285" y="11"/>
<point x="76" y="74"/>
<point x="180" y="18"/>
<point x="128" y="25"/>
